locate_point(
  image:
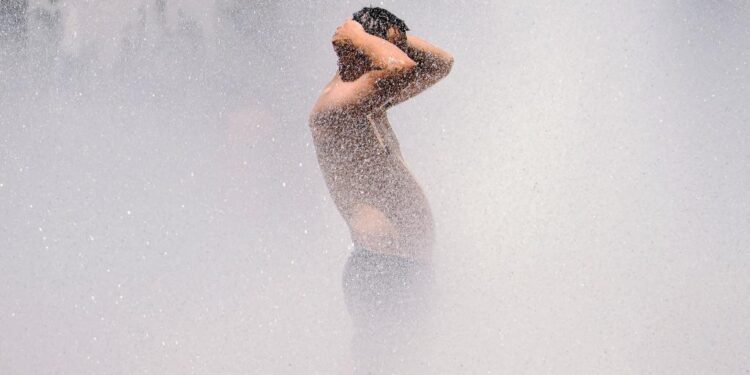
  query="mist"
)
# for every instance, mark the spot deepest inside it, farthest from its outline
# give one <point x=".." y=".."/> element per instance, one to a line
<point x="162" y="209"/>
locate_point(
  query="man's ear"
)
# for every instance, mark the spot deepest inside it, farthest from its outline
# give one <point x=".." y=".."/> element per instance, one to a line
<point x="396" y="37"/>
<point x="392" y="34"/>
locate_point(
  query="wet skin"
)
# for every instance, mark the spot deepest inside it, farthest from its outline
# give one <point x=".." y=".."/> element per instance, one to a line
<point x="358" y="152"/>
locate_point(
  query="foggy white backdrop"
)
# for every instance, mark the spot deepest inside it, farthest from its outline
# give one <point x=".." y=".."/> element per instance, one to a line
<point x="161" y="208"/>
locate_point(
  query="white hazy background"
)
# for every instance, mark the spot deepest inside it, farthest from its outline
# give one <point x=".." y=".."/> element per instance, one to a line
<point x="162" y="212"/>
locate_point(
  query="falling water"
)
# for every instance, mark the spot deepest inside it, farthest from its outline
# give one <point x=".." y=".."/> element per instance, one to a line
<point x="162" y="211"/>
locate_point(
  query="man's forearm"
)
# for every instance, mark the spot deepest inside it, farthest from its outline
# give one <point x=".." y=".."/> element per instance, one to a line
<point x="428" y="56"/>
<point x="433" y="64"/>
<point x="381" y="53"/>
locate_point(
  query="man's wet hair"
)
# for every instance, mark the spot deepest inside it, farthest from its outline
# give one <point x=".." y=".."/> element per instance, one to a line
<point x="377" y="21"/>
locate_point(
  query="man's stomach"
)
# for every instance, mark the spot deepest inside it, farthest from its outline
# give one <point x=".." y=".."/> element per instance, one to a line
<point x="390" y="217"/>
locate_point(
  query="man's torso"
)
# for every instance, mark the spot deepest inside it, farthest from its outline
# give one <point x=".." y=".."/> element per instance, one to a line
<point x="371" y="185"/>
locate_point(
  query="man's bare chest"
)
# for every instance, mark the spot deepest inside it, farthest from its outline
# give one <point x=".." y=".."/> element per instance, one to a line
<point x="383" y="134"/>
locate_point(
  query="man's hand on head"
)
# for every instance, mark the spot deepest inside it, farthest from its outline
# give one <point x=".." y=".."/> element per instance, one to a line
<point x="347" y="33"/>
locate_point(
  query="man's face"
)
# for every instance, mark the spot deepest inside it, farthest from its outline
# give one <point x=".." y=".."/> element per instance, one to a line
<point x="350" y="60"/>
<point x="347" y="53"/>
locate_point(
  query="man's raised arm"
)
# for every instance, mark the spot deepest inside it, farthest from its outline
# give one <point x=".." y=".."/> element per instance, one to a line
<point x="372" y="86"/>
<point x="383" y="56"/>
<point x="433" y="64"/>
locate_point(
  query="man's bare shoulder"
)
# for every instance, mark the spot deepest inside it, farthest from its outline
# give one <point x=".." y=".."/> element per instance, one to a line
<point x="341" y="100"/>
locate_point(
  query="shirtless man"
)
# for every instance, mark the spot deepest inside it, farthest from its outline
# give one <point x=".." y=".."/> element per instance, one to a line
<point x="387" y="275"/>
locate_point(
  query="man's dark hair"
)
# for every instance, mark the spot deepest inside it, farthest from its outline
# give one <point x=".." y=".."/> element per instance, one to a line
<point x="377" y="21"/>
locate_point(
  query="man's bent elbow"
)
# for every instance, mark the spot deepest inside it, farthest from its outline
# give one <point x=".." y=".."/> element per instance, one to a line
<point x="448" y="65"/>
<point x="442" y="68"/>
